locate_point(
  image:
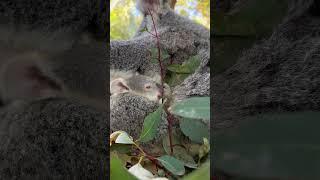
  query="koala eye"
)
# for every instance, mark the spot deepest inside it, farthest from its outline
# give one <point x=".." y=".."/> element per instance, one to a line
<point x="148" y="87"/>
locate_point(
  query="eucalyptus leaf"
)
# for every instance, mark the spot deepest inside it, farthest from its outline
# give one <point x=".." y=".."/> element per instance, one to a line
<point x="154" y="53"/>
<point x="182" y="154"/>
<point x="172" y="164"/>
<point x="188" y="67"/>
<point x="124" y="138"/>
<point x="194" y="107"/>
<point x="144" y="29"/>
<point x="280" y="145"/>
<point x="150" y="125"/>
<point x="117" y="171"/>
<point x="154" y="60"/>
<point x="121" y="148"/>
<point x="196" y="130"/>
<point x="166" y="142"/>
<point x="202" y="173"/>
<point x="164" y="54"/>
<point x="174" y="79"/>
<point x="177" y="68"/>
<point x="192" y="63"/>
<point x="179" y="152"/>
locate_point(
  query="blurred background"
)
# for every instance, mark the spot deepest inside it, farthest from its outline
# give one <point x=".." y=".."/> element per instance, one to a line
<point x="125" y="18"/>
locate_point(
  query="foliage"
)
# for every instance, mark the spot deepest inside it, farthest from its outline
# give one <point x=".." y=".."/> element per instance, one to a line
<point x="188" y="67"/>
<point x="202" y="173"/>
<point x="279" y="146"/>
<point x="123" y="20"/>
<point x="117" y="171"/>
<point x="177" y="151"/>
<point x="172" y="164"/>
<point x="184" y="153"/>
<point x="198" y="11"/>
<point x="150" y="125"/>
<point x="196" y="130"/>
<point x="175" y="162"/>
<point x="194" y="107"/>
<point x="178" y="72"/>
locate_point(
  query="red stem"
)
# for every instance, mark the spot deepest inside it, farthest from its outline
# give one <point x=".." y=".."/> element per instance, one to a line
<point x="171" y="60"/>
<point x="170" y="118"/>
<point x="151" y="33"/>
<point x="159" y="52"/>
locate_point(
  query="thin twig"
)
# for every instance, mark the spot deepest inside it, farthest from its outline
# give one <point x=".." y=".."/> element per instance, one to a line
<point x="169" y="115"/>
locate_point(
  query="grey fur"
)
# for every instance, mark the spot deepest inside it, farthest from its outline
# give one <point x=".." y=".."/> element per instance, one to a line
<point x="127" y="113"/>
<point x="53" y="139"/>
<point x="61" y="137"/>
<point x="181" y="38"/>
<point x="198" y="84"/>
<point x="280" y="74"/>
<point x="83" y="69"/>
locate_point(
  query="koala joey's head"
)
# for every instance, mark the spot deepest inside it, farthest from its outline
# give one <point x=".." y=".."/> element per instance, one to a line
<point x="138" y="85"/>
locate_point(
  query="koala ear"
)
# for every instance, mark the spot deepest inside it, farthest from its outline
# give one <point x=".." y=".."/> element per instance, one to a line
<point x="118" y="86"/>
<point x="26" y="77"/>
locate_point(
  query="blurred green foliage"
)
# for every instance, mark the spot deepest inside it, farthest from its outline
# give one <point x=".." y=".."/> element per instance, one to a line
<point x="271" y="146"/>
<point x="125" y="18"/>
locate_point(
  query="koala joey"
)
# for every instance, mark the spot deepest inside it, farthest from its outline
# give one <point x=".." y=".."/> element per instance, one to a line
<point x="133" y="97"/>
<point x="45" y="131"/>
<point x="136" y="84"/>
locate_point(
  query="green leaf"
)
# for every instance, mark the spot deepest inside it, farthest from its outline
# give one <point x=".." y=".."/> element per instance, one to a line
<point x="174" y="79"/>
<point x="177" y="73"/>
<point x="154" y="61"/>
<point x="187" y="67"/>
<point x="124" y="138"/>
<point x="117" y="171"/>
<point x="193" y="63"/>
<point x="164" y="54"/>
<point x="204" y="148"/>
<point x="143" y="30"/>
<point x="194" y="107"/>
<point x="150" y="125"/>
<point x="179" y="152"/>
<point x="121" y="148"/>
<point x="177" y="68"/>
<point x="154" y="53"/>
<point x="196" y="130"/>
<point x="202" y="173"/>
<point x="172" y="164"/>
<point x="281" y="146"/>
<point x="166" y="141"/>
